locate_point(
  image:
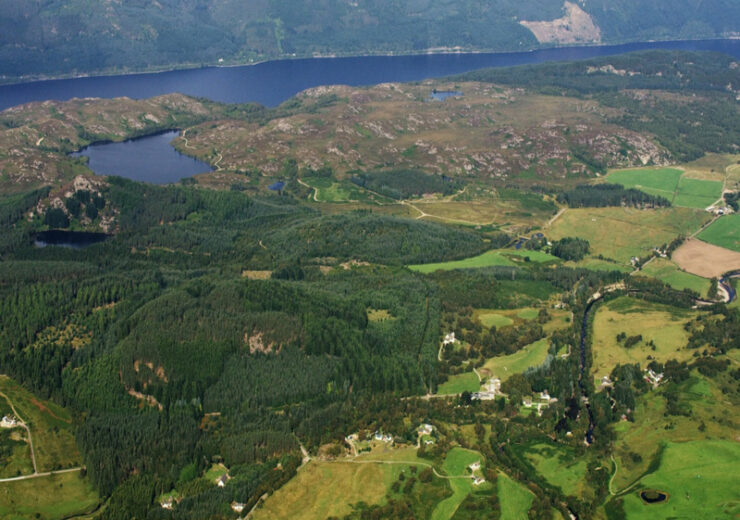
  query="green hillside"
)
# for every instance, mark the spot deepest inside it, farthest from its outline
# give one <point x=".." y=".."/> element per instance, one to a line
<point x="62" y="37"/>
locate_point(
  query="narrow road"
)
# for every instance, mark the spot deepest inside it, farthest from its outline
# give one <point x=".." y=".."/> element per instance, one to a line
<point x="315" y="190"/>
<point x="23" y="423"/>
<point x="555" y="217"/>
<point x="406" y="463"/>
<point x="39" y="475"/>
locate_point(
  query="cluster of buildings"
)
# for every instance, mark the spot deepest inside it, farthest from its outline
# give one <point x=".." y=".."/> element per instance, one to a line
<point x="477" y="479"/>
<point x="491" y="389"/>
<point x="543" y="400"/>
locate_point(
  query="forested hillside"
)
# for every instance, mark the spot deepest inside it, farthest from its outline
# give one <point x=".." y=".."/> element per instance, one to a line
<point x="62" y="37"/>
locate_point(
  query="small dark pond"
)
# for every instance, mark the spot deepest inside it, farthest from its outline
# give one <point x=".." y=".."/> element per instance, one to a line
<point x="276" y="186"/>
<point x="442" y="95"/>
<point x="148" y="159"/>
<point x="651" y="496"/>
<point x="72" y="239"/>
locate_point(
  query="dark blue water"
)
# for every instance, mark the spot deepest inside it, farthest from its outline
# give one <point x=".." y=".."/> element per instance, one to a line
<point x="71" y="239"/>
<point x="273" y="82"/>
<point x="149" y="159"/>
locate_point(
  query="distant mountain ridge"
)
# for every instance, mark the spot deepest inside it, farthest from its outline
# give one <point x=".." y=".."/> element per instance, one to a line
<point x="57" y="37"/>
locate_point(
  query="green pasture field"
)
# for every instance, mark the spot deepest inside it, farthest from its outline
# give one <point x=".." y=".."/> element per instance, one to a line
<point x="52" y="428"/>
<point x="672" y="184"/>
<point x="532" y="355"/>
<point x="651" y="428"/>
<point x="459" y="383"/>
<point x="697" y="193"/>
<point x="632" y="232"/>
<point x="52" y="498"/>
<point x="456" y="465"/>
<point x="559" y="466"/>
<point x="668" y="272"/>
<point x="595" y="264"/>
<point x="725" y="232"/>
<point x="655" y="181"/>
<point x="662" y="324"/>
<point x="329" y="190"/>
<point x="499" y="257"/>
<point x="700" y="478"/>
<point x="494" y="319"/>
<point x="515" y="499"/>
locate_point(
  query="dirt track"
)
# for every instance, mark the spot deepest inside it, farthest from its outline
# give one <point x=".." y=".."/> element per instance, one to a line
<point x="705" y="260"/>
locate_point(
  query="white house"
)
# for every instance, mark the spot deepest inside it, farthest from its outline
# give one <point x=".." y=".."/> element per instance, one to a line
<point x="167" y="503"/>
<point x="9" y="422"/>
<point x="653" y="378"/>
<point x="449" y="339"/>
<point x="475" y="466"/>
<point x="222" y="480"/>
<point x="238" y="507"/>
<point x="477" y="481"/>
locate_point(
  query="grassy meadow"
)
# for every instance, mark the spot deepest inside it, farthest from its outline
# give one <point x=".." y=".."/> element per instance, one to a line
<point x="668" y="272"/>
<point x="515" y="499"/>
<point x="662" y="324"/>
<point x="459" y="383"/>
<point x="499" y="257"/>
<point x="700" y="479"/>
<point x="532" y="355"/>
<point x="559" y="466"/>
<point x="680" y="188"/>
<point x="456" y="465"/>
<point x="725" y="232"/>
<point x="51" y="425"/>
<point x="51" y="498"/>
<point x="632" y="232"/>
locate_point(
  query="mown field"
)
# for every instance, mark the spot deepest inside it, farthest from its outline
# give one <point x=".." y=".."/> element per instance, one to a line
<point x="661" y="324"/>
<point x="504" y="367"/>
<point x="725" y="232"/>
<point x="668" y="272"/>
<point x="499" y="257"/>
<point x="459" y="383"/>
<point x="700" y="479"/>
<point x="632" y="232"/>
<point x="680" y="188"/>
<point x="50" y="498"/>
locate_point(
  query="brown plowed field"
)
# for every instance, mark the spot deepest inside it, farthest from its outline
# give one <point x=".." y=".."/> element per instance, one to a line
<point x="706" y="260"/>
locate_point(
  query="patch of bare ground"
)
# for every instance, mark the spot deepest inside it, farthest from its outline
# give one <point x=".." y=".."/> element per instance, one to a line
<point x="706" y="260"/>
<point x="257" y="344"/>
<point x="256" y="275"/>
<point x="576" y="26"/>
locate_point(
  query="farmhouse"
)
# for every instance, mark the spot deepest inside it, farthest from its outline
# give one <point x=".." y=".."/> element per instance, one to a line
<point x="449" y="339"/>
<point x="426" y="429"/>
<point x="238" y="507"/>
<point x="653" y="378"/>
<point x="168" y="503"/>
<point x="380" y="437"/>
<point x="222" y="480"/>
<point x="9" y="422"/>
<point x="477" y="481"/>
<point x="475" y="466"/>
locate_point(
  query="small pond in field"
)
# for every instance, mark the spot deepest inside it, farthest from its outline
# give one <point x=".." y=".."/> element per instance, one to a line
<point x="652" y="496"/>
<point x="148" y="159"/>
<point x="439" y="95"/>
